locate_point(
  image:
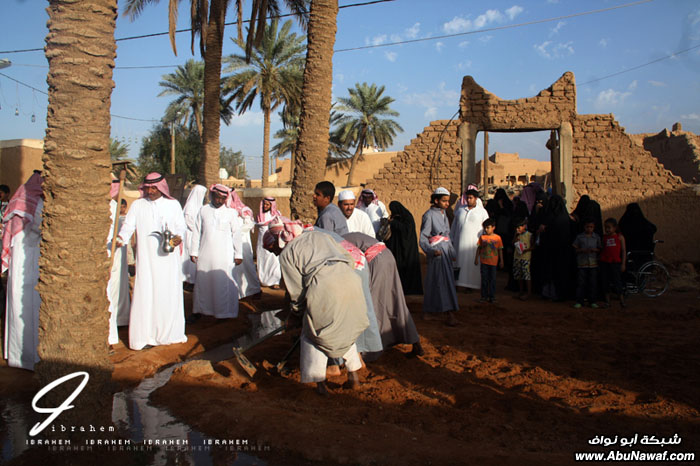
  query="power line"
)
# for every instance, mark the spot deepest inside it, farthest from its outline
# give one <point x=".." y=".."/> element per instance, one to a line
<point x="495" y="28"/>
<point x="46" y="93"/>
<point x="156" y="34"/>
<point x="639" y="66"/>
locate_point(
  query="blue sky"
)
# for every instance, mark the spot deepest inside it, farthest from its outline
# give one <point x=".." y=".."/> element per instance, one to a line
<point x="423" y="77"/>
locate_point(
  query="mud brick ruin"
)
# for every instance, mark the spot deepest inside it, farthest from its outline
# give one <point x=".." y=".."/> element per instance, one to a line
<point x="590" y="154"/>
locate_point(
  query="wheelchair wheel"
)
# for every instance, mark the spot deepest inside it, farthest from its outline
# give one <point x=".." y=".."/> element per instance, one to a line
<point x="653" y="279"/>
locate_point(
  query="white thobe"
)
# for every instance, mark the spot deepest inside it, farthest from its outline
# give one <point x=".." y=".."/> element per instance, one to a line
<point x="118" y="284"/>
<point x="465" y="232"/>
<point x="22" y="311"/>
<point x="268" y="264"/>
<point x="245" y="274"/>
<point x="216" y="242"/>
<point x="359" y="222"/>
<point x="157" y="310"/>
<point x="376" y="213"/>
<point x="194" y="204"/>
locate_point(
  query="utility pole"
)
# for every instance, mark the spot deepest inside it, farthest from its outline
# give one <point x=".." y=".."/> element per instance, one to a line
<point x="486" y="164"/>
<point x="172" y="147"/>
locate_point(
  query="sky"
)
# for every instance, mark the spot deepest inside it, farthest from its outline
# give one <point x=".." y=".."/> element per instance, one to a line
<point x="625" y="61"/>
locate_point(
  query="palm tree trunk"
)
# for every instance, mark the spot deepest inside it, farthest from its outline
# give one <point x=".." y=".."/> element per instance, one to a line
<point x="198" y="120"/>
<point x="356" y="157"/>
<point x="73" y="320"/>
<point x="209" y="163"/>
<point x="312" y="148"/>
<point x="266" y="148"/>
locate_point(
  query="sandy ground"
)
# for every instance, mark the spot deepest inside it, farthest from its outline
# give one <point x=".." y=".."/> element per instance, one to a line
<point x="515" y="383"/>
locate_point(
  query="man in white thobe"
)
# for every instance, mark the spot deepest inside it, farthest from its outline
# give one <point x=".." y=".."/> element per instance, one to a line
<point x="245" y="274"/>
<point x="358" y="221"/>
<point x="20" y="257"/>
<point x="157" y="309"/>
<point x="216" y="249"/>
<point x="268" y="264"/>
<point x="465" y="232"/>
<point x="195" y="201"/>
<point x="118" y="284"/>
<point x="370" y="204"/>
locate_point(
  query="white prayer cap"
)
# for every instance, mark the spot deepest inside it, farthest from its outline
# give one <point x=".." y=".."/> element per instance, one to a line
<point x="441" y="191"/>
<point x="346" y="195"/>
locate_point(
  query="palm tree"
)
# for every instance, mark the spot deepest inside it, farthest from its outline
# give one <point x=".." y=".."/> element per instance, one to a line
<point x="274" y="75"/>
<point x="208" y="19"/>
<point x="187" y="84"/>
<point x="73" y="318"/>
<point x="363" y="125"/>
<point x="312" y="149"/>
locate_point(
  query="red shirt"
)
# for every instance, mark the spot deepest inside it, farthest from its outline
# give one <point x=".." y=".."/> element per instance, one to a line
<point x="612" y="248"/>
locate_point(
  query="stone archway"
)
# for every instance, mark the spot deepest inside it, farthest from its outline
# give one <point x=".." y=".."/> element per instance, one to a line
<point x="552" y="109"/>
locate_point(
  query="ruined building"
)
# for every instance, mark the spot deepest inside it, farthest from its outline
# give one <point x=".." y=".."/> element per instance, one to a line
<point x="590" y="154"/>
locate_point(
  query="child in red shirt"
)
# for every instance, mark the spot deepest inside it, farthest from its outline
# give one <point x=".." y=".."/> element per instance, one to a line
<point x="490" y="251"/>
<point x="612" y="260"/>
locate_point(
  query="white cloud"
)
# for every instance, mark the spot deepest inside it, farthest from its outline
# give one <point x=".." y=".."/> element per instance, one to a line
<point x="434" y="102"/>
<point x="457" y="24"/>
<point x="657" y="83"/>
<point x="413" y="31"/>
<point x="463" y="44"/>
<point x="249" y="118"/>
<point x="464" y="65"/>
<point x="485" y="39"/>
<point x="376" y="40"/>
<point x="439" y="46"/>
<point x="632" y="86"/>
<point x="691" y="116"/>
<point x="603" y="42"/>
<point x="610" y="97"/>
<point x="391" y="56"/>
<point x="550" y="50"/>
<point x="513" y="11"/>
<point x="555" y="30"/>
<point x="464" y="24"/>
<point x="340" y="77"/>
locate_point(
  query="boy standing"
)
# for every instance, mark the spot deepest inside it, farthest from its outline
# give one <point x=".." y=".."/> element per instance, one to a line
<point x="587" y="246"/>
<point x="522" y="243"/>
<point x="490" y="251"/>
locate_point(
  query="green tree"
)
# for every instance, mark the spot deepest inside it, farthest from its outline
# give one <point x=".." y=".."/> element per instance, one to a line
<point x="187" y="84"/>
<point x="274" y="75"/>
<point x="155" y="151"/>
<point x="362" y="125"/>
<point x="233" y="162"/>
<point x="117" y="150"/>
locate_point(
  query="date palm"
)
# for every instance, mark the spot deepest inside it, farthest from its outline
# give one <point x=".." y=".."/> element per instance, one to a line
<point x="273" y="76"/>
<point x="362" y="123"/>
<point x="187" y="84"/>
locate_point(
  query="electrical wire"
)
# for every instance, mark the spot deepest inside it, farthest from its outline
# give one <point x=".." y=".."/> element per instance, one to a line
<point x="156" y="34"/>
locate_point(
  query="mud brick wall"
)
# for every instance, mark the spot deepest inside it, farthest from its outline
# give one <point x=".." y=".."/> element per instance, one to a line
<point x="611" y="168"/>
<point x="407" y="177"/>
<point x="678" y="151"/>
<point x="544" y="111"/>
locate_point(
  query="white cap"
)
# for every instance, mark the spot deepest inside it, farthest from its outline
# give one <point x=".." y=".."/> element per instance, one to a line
<point x="442" y="191"/>
<point x="346" y="195"/>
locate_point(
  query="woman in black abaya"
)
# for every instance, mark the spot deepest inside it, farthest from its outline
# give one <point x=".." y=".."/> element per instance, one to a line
<point x="404" y="245"/>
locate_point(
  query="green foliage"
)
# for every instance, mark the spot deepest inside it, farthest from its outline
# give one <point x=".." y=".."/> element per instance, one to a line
<point x="117" y="150"/>
<point x="155" y="151"/>
<point x="233" y="162"/>
<point x="360" y="124"/>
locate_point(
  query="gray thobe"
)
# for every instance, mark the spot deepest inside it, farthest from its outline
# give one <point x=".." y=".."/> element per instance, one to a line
<point x="440" y="294"/>
<point x="320" y="279"/>
<point x="331" y="218"/>
<point x="393" y="317"/>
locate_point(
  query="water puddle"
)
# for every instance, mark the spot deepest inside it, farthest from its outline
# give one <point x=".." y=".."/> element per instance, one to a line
<point x="137" y="420"/>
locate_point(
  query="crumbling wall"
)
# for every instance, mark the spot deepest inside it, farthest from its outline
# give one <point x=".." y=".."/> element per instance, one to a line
<point x="615" y="171"/>
<point x="432" y="159"/>
<point x="677" y="150"/>
<point x="544" y="111"/>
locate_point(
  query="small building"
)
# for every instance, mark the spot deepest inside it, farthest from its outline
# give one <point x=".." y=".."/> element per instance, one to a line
<point x="18" y="160"/>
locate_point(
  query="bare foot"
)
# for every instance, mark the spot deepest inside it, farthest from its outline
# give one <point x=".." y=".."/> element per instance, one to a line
<point x="321" y="389"/>
<point x="353" y="382"/>
<point x="332" y="371"/>
<point x="451" y="321"/>
<point x="417" y="350"/>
